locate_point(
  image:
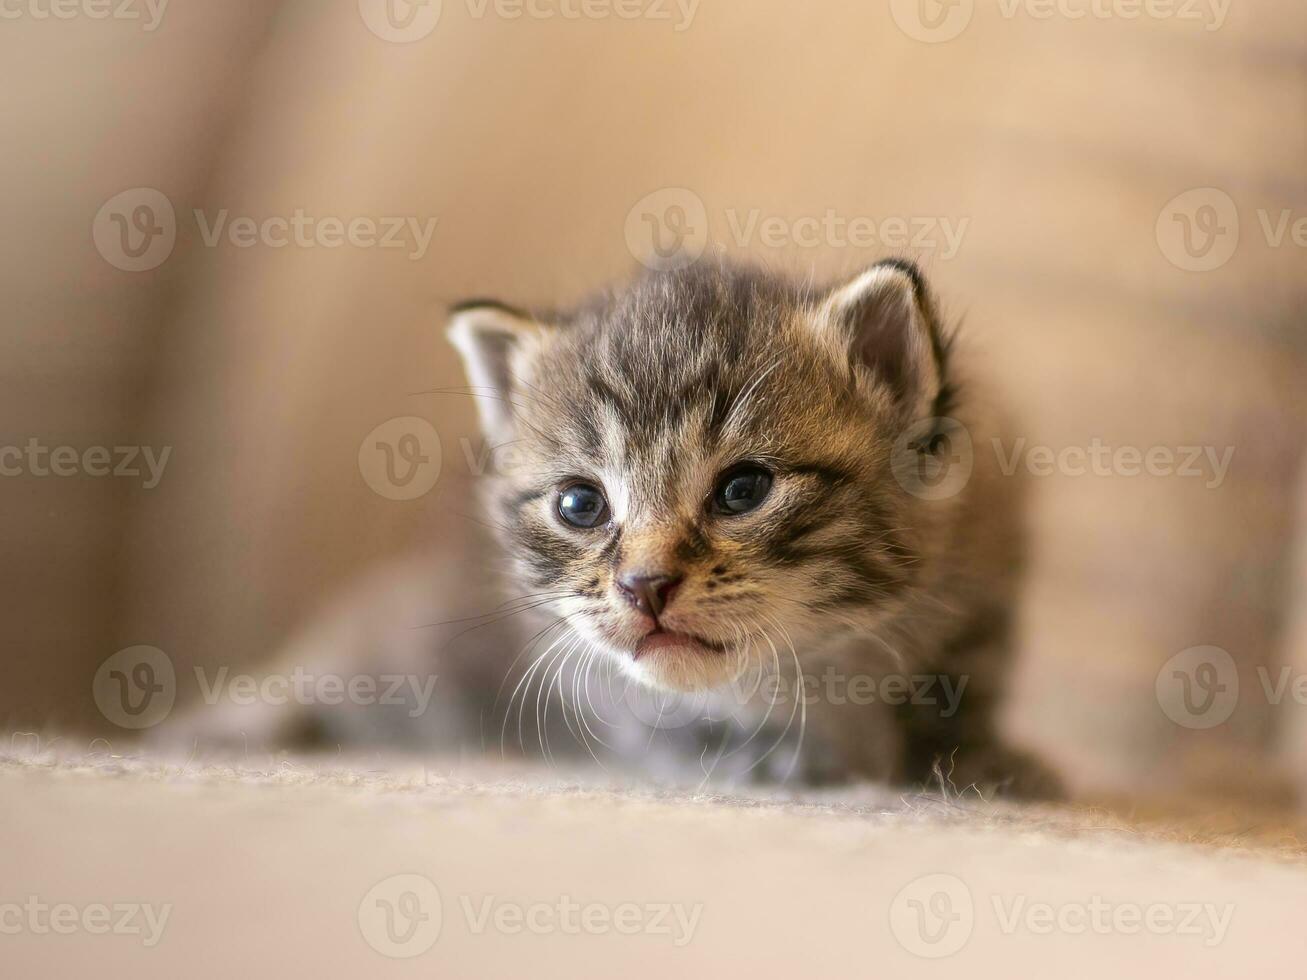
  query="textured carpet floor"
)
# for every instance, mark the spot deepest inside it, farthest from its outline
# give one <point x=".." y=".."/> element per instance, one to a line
<point x="351" y="868"/>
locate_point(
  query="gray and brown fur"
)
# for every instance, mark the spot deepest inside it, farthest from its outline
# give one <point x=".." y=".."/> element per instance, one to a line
<point x="655" y="391"/>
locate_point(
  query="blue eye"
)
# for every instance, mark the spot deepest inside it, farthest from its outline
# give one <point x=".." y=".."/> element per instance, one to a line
<point x="582" y="505"/>
<point x="742" y="490"/>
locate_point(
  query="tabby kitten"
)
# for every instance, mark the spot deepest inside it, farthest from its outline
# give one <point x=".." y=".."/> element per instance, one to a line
<point x="717" y="475"/>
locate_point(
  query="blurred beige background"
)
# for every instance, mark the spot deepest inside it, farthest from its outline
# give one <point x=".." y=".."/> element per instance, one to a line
<point x="1057" y="144"/>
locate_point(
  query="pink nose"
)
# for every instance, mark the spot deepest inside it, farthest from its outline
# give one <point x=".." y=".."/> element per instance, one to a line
<point x="648" y="593"/>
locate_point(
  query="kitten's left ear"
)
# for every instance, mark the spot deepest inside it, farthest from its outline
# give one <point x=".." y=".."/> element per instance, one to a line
<point x="495" y="342"/>
<point x="886" y="322"/>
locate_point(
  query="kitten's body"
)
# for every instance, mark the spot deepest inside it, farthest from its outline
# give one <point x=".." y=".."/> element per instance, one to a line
<point x="881" y="561"/>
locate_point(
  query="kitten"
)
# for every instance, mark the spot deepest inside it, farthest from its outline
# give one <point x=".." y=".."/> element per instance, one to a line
<point x="717" y="469"/>
<point x="748" y="517"/>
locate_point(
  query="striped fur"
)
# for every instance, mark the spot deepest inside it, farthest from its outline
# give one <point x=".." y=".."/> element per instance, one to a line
<point x="654" y="392"/>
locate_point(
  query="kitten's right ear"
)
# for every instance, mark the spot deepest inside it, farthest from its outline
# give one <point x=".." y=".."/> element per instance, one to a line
<point x="494" y="341"/>
<point x="884" y="321"/>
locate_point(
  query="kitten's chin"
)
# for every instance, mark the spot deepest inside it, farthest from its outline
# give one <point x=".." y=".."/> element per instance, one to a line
<point x="668" y="640"/>
<point x="667" y="659"/>
<point x="680" y="663"/>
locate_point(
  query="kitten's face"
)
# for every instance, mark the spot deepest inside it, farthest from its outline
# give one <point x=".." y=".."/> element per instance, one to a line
<point x="700" y="468"/>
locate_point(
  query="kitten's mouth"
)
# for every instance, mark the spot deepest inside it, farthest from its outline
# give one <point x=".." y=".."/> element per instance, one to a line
<point x="661" y="639"/>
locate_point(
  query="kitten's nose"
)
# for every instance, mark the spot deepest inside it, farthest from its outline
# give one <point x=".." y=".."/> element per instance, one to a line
<point x="648" y="593"/>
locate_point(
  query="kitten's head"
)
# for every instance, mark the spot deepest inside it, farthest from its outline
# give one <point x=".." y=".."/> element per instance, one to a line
<point x="699" y="467"/>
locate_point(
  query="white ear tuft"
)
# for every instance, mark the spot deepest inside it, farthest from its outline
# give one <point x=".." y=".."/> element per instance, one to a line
<point x="493" y="339"/>
<point x="885" y="322"/>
